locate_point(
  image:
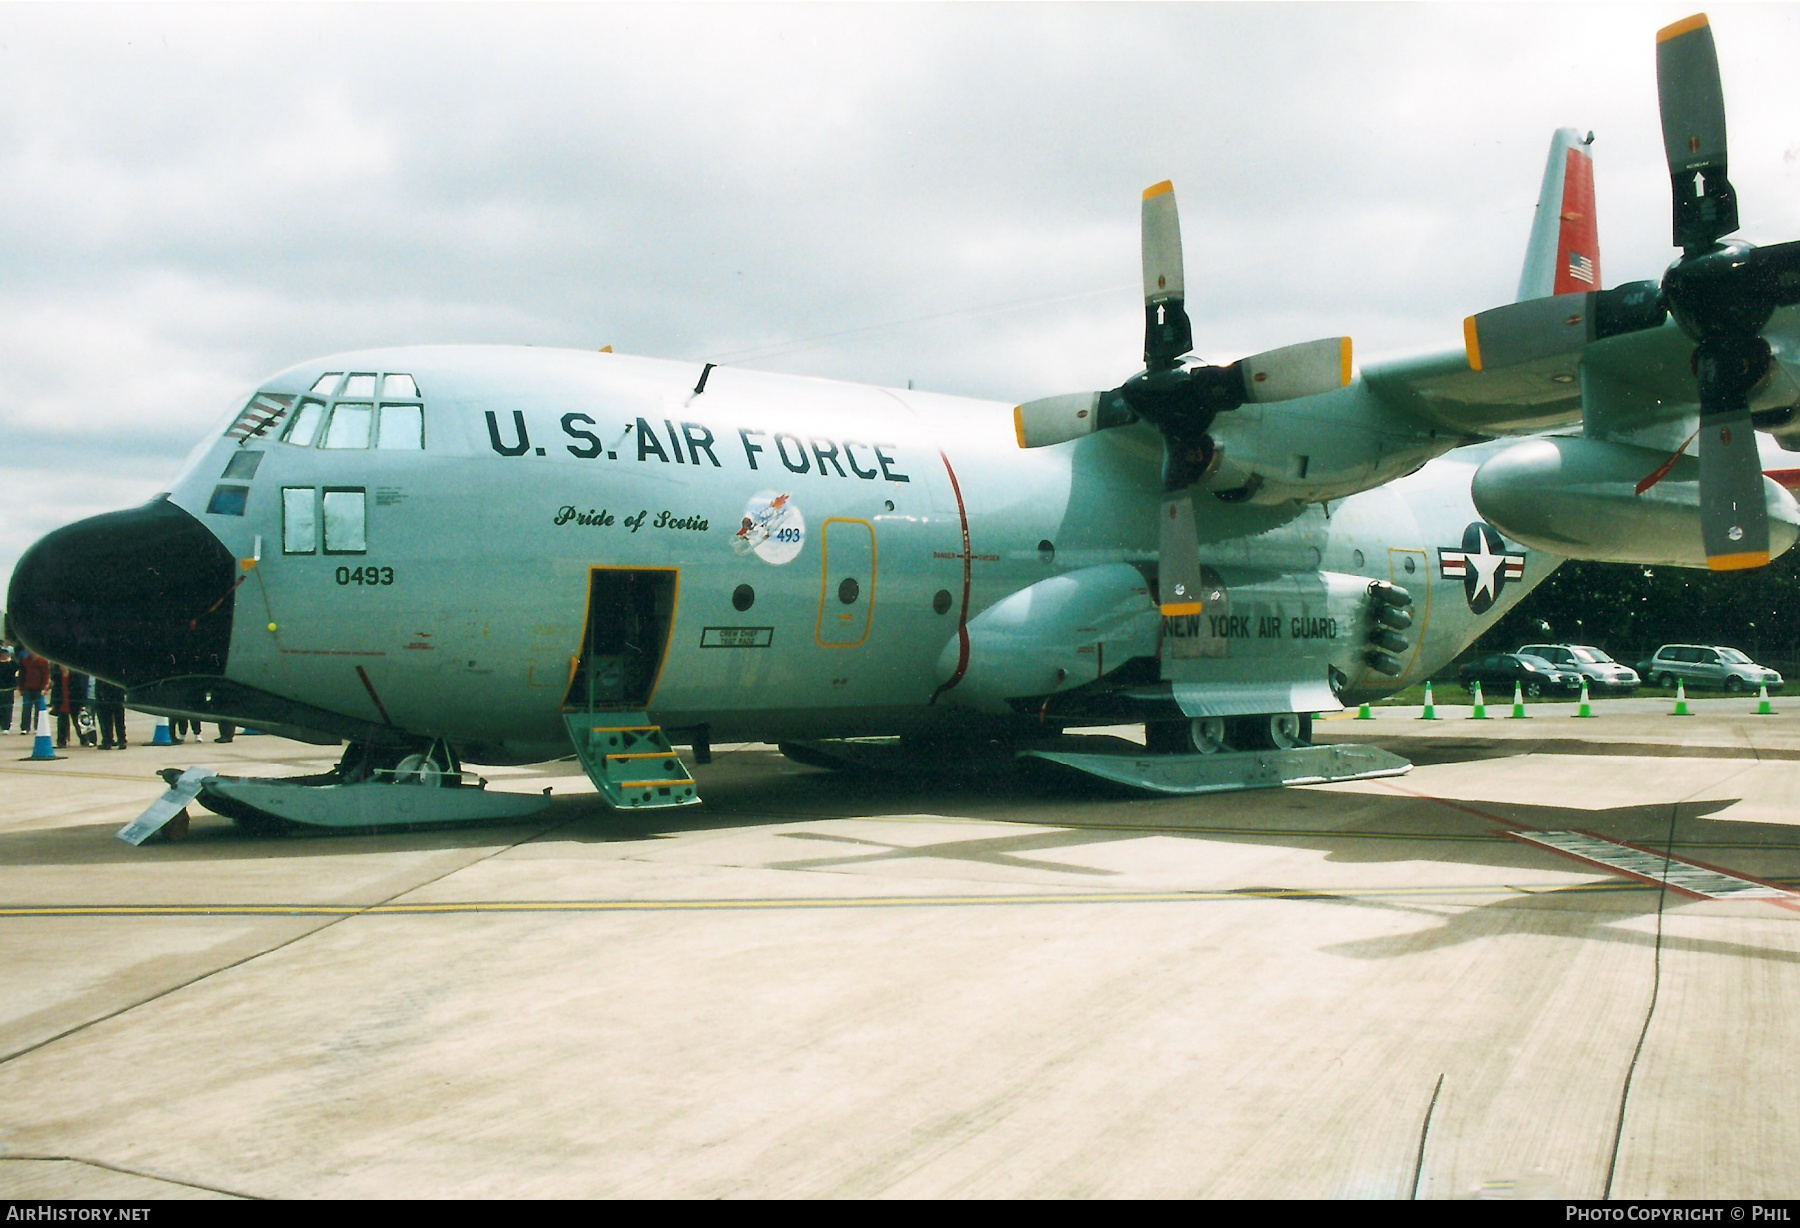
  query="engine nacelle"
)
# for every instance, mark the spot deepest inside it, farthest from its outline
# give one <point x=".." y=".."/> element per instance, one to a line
<point x="1578" y="498"/>
<point x="1054" y="636"/>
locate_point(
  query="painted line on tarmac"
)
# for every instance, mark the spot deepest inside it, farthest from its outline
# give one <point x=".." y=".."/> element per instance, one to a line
<point x="803" y="902"/>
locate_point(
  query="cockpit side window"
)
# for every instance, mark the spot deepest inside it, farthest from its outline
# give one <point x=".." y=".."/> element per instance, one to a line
<point x="399" y="387"/>
<point x="360" y="384"/>
<point x="346" y="520"/>
<point x="305" y="426"/>
<point x="349" y="425"/>
<point x="327" y="383"/>
<point x="401" y="427"/>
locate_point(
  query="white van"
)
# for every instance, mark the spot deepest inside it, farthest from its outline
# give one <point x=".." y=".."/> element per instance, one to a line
<point x="1601" y="671"/>
<point x="1709" y="665"/>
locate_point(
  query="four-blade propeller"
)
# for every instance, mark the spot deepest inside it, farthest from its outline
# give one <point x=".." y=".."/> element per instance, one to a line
<point x="1180" y="398"/>
<point x="1720" y="292"/>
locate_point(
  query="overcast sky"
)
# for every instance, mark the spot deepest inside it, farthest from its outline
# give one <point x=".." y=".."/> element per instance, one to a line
<point x="192" y="197"/>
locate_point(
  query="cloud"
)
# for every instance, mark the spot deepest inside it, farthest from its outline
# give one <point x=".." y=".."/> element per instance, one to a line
<point x="194" y="196"/>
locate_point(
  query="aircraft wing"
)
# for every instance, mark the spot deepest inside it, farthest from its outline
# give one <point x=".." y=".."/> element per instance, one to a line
<point x="1651" y="369"/>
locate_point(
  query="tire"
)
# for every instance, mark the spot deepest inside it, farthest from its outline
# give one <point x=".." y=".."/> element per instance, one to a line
<point x="1734" y="685"/>
<point x="1534" y="689"/>
<point x="1201" y="736"/>
<point x="1666" y="681"/>
<point x="1275" y="731"/>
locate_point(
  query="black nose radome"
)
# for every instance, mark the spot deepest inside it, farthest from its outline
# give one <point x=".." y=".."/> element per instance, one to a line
<point x="132" y="597"/>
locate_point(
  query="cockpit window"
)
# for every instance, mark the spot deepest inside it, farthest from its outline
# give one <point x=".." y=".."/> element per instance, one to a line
<point x="402" y="427"/>
<point x="327" y="383"/>
<point x="349" y="425"/>
<point x="346" y="526"/>
<point x="264" y="412"/>
<point x="399" y="387"/>
<point x="305" y="426"/>
<point x="360" y="384"/>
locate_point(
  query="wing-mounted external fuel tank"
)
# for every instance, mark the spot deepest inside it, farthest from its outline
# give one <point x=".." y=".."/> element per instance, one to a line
<point x="1054" y="636"/>
<point x="1611" y="502"/>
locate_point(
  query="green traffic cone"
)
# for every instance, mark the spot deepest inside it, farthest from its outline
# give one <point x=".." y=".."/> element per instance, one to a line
<point x="1363" y="713"/>
<point x="1586" y="708"/>
<point x="1430" y="713"/>
<point x="1681" y="708"/>
<point x="1762" y="701"/>
<point x="1518" y="712"/>
<point x="1480" y="712"/>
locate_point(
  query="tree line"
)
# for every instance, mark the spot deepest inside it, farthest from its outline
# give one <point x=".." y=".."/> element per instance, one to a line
<point x="1630" y="610"/>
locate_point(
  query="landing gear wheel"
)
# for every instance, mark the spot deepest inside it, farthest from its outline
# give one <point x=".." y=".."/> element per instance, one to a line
<point x="1201" y="736"/>
<point x="1277" y="731"/>
<point x="418" y="770"/>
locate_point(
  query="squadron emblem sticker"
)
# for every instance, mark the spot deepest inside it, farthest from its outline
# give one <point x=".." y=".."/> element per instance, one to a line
<point x="1484" y="565"/>
<point x="772" y="528"/>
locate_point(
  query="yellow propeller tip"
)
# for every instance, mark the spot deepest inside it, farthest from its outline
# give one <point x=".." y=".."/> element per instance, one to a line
<point x="1159" y="189"/>
<point x="1739" y="562"/>
<point x="1686" y="25"/>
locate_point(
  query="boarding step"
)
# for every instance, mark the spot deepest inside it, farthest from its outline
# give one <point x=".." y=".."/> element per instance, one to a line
<point x="630" y="760"/>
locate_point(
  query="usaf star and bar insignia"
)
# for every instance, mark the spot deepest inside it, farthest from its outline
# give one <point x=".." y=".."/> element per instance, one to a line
<point x="1483" y="564"/>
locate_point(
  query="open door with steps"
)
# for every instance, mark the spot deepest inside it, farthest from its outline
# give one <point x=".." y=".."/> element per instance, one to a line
<point x="630" y="612"/>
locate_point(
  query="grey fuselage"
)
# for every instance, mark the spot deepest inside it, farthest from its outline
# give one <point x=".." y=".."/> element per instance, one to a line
<point x="540" y="465"/>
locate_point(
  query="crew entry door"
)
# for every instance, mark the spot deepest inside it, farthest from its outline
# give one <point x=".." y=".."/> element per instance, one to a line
<point x="847" y="588"/>
<point x="630" y="611"/>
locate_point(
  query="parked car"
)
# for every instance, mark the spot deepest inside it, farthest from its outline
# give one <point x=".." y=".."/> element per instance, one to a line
<point x="1708" y="665"/>
<point x="1602" y="672"/>
<point x="1534" y="674"/>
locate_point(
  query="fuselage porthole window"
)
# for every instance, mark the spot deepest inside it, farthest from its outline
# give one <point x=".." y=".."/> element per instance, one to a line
<point x="401" y="427"/>
<point x="346" y="520"/>
<point x="305" y="427"/>
<point x="327" y="383"/>
<point x="299" y="520"/>
<point x="349" y="427"/>
<point x="360" y="384"/>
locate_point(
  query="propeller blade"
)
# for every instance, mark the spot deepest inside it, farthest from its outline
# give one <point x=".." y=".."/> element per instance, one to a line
<point x="1562" y="324"/>
<point x="1693" y="124"/>
<point x="1734" y="518"/>
<point x="1302" y="370"/>
<point x="1167" y="332"/>
<point x="1734" y="514"/>
<point x="1053" y="420"/>
<point x="1178" y="554"/>
<point x="1773" y="273"/>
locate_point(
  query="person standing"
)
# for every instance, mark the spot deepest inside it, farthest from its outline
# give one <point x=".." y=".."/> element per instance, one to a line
<point x="109" y="706"/>
<point x="9" y="683"/>
<point x="34" y="687"/>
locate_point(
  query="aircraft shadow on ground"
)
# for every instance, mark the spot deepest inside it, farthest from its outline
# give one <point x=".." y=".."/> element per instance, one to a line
<point x="1384" y="824"/>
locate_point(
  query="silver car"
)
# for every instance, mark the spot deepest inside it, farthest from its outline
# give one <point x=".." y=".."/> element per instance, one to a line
<point x="1709" y="665"/>
<point x="1601" y="671"/>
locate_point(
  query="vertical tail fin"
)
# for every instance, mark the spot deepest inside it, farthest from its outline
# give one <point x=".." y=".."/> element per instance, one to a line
<point x="1563" y="256"/>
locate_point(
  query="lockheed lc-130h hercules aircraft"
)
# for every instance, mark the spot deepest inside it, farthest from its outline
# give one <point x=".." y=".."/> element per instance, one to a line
<point x="497" y="555"/>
